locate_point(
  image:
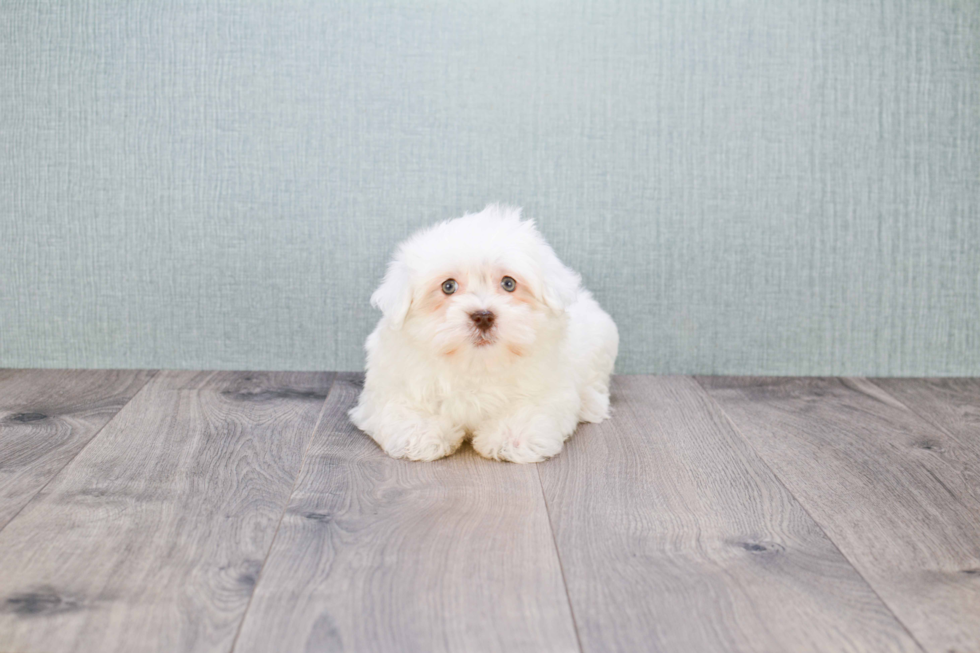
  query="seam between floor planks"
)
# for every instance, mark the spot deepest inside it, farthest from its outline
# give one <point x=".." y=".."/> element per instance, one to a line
<point x="13" y="373"/>
<point x="691" y="553"/>
<point x="561" y="565"/>
<point x="898" y="510"/>
<point x="383" y="554"/>
<point x="721" y="411"/>
<point x="195" y="407"/>
<point x="925" y="416"/>
<point x="285" y="507"/>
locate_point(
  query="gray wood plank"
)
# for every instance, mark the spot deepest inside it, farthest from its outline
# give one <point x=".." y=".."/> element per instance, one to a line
<point x="152" y="538"/>
<point x="951" y="404"/>
<point x="47" y="417"/>
<point x="674" y="536"/>
<point x="377" y="554"/>
<point x="895" y="493"/>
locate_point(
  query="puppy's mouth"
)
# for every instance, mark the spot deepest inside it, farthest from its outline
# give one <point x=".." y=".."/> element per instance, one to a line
<point x="483" y="340"/>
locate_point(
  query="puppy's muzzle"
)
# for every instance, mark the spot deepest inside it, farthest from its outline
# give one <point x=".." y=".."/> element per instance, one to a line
<point x="483" y="320"/>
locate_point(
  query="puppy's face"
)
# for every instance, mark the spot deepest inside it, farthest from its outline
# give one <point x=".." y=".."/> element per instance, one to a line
<point x="487" y="307"/>
<point x="484" y="286"/>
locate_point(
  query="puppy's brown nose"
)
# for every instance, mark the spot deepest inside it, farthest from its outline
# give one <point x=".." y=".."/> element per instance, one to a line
<point x="482" y="319"/>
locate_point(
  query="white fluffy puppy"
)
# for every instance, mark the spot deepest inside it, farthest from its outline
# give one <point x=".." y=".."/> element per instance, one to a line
<point x="484" y="333"/>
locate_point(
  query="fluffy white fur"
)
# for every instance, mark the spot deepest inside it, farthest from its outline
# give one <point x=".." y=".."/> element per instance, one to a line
<point x="520" y="388"/>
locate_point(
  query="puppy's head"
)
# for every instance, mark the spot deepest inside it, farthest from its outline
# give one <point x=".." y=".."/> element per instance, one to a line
<point x="485" y="286"/>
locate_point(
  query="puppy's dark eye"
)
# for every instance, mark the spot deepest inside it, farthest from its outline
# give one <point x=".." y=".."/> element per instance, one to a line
<point x="449" y="286"/>
<point x="508" y="284"/>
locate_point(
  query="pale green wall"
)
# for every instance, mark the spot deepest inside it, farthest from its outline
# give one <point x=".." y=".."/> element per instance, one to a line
<point x="758" y="186"/>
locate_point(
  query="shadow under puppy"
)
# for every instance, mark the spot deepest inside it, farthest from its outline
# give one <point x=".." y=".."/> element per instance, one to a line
<point x="484" y="333"/>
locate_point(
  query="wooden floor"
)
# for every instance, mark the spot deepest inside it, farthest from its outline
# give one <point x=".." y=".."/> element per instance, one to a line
<point x="241" y="511"/>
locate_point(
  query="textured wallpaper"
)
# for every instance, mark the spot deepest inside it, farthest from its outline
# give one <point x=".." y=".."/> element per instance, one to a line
<point x="765" y="186"/>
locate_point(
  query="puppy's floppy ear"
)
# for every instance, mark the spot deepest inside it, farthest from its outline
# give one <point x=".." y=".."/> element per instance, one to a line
<point x="394" y="296"/>
<point x="560" y="285"/>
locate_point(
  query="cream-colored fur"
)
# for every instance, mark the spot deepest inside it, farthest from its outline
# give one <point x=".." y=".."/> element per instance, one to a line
<point x="519" y="388"/>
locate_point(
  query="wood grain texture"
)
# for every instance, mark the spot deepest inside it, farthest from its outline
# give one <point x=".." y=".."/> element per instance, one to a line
<point x="47" y="417"/>
<point x="674" y="536"/>
<point x="951" y="404"/>
<point x="895" y="493"/>
<point x="377" y="554"/>
<point x="153" y="537"/>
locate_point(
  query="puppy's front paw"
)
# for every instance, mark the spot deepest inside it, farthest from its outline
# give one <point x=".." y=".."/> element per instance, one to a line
<point x="519" y="439"/>
<point x="419" y="438"/>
